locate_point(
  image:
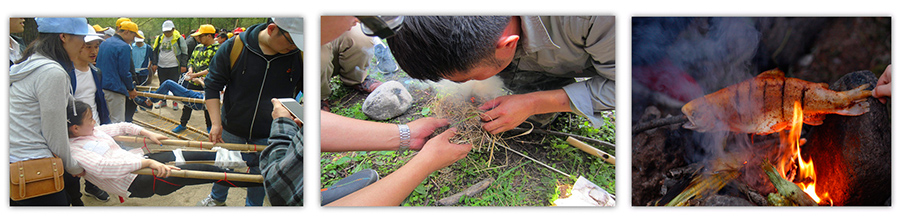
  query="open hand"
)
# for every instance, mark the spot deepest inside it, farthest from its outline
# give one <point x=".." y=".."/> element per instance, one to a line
<point x="155" y="137"/>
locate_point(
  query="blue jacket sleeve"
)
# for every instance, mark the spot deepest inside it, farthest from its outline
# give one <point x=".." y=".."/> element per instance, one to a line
<point x="123" y="64"/>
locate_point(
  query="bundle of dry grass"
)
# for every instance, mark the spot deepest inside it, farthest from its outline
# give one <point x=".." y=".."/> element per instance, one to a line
<point x="466" y="117"/>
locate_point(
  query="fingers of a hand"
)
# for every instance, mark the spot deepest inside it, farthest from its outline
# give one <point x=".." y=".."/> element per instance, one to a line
<point x="491" y="115"/>
<point x="445" y="136"/>
<point x="275" y="102"/>
<point x="882" y="91"/>
<point x="490" y="104"/>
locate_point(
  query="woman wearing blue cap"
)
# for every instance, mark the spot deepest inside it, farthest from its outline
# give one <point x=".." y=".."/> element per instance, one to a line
<point x="39" y="85"/>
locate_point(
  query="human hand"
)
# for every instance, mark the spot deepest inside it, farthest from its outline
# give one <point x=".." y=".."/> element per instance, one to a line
<point x="421" y="129"/>
<point x="506" y="112"/>
<point x="155" y="137"/>
<point x="161" y="170"/>
<point x="279" y="110"/>
<point x="215" y="134"/>
<point x="132" y="94"/>
<point x="197" y="80"/>
<point x="883" y="87"/>
<point x="183" y="69"/>
<point x="83" y="172"/>
<point x="439" y="152"/>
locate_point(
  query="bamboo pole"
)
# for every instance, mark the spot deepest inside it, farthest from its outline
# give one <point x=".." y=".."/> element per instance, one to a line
<point x="196" y="174"/>
<point x="153" y="88"/>
<point x="168" y="97"/>
<point x="197" y="144"/>
<point x="158" y="129"/>
<point x="591" y="150"/>
<point x="191" y="128"/>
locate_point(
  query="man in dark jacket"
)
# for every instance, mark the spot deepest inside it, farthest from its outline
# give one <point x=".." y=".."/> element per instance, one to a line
<point x="114" y="60"/>
<point x="269" y="66"/>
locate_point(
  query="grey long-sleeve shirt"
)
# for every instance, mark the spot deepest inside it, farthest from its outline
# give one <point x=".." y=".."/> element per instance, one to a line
<point x="39" y="92"/>
<point x="574" y="46"/>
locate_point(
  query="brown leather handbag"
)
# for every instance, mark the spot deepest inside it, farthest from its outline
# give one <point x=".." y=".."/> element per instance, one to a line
<point x="34" y="178"/>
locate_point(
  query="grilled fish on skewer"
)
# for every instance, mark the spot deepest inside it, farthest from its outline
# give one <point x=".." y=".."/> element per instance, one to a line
<point x="764" y="104"/>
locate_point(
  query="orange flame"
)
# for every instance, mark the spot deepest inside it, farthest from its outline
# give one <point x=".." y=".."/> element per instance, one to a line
<point x="806" y="170"/>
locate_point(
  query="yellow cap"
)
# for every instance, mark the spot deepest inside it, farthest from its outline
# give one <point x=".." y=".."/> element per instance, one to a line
<point x="97" y="28"/>
<point x="119" y="22"/>
<point x="130" y="26"/>
<point x="205" y="29"/>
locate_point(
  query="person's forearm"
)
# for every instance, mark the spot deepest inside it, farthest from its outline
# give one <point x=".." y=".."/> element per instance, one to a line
<point x="550" y="101"/>
<point x="339" y="134"/>
<point x="390" y="190"/>
<point x="212" y="107"/>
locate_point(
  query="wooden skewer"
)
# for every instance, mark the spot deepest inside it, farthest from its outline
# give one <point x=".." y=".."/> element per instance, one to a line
<point x="168" y="97"/>
<point x="591" y="150"/>
<point x="196" y="174"/>
<point x="198" y="144"/>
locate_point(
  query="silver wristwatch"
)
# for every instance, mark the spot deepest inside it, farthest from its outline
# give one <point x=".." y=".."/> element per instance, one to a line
<point x="404" y="137"/>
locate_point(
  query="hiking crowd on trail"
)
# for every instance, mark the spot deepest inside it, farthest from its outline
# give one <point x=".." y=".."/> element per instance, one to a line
<point x="74" y="87"/>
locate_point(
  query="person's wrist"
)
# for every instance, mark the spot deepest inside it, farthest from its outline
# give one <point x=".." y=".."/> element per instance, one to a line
<point x="405" y="137"/>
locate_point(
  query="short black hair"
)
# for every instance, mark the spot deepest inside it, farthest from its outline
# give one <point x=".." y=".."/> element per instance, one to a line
<point x="433" y="47"/>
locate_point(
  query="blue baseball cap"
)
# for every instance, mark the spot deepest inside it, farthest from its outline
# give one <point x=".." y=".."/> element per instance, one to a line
<point x="74" y="26"/>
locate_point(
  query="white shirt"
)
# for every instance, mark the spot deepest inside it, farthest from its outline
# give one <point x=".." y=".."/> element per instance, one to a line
<point x="167" y="57"/>
<point x="85" y="90"/>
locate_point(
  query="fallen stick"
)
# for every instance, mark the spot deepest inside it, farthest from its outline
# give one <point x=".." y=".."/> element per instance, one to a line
<point x="703" y="185"/>
<point x="143" y="124"/>
<point x="787" y="188"/>
<point x="168" y="97"/>
<point x="591" y="150"/>
<point x="196" y="174"/>
<point x="469" y="192"/>
<point x="532" y="159"/>
<point x="197" y="144"/>
<point x="641" y="127"/>
<point x="191" y="128"/>
<point x="583" y="138"/>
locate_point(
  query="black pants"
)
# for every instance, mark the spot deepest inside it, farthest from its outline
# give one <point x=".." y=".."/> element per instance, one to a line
<point x="146" y="186"/>
<point x="164" y="157"/>
<point x="164" y="74"/>
<point x="56" y="199"/>
<point x="130" y="105"/>
<point x="73" y="189"/>
<point x="187" y="111"/>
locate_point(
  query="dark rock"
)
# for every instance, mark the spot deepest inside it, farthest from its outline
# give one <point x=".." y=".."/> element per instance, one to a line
<point x="852" y="154"/>
<point x="720" y="200"/>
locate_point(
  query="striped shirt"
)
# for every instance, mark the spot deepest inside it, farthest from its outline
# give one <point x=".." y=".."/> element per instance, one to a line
<point x="106" y="164"/>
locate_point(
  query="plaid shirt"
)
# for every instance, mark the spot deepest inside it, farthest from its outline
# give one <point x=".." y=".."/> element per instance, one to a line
<point x="282" y="164"/>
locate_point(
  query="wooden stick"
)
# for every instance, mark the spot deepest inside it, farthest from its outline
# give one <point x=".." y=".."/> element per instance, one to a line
<point x="532" y="159"/>
<point x="138" y="122"/>
<point x="152" y="88"/>
<point x="787" y="188"/>
<point x="583" y="138"/>
<point x="641" y="127"/>
<point x="591" y="150"/>
<point x="168" y="97"/>
<point x="197" y="144"/>
<point x="196" y="174"/>
<point x="470" y="192"/>
<point x="191" y="128"/>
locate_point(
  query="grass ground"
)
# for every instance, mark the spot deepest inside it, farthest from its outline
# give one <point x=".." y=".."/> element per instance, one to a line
<point x="518" y="181"/>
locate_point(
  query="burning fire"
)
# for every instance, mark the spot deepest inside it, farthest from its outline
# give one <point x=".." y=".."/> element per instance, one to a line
<point x="806" y="172"/>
